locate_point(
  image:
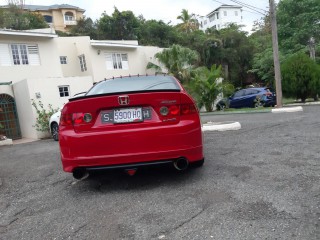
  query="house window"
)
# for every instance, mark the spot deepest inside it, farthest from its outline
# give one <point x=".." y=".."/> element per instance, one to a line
<point x="205" y="22"/>
<point x="225" y="13"/>
<point x="19" y="54"/>
<point x="117" y="61"/>
<point x="236" y="13"/>
<point x="48" y="18"/>
<point x="83" y="64"/>
<point x="64" y="91"/>
<point x="217" y="15"/>
<point x="63" y="59"/>
<point x="68" y="16"/>
<point x="212" y="18"/>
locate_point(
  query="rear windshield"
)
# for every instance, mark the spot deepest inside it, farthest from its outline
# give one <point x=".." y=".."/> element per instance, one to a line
<point x="135" y="84"/>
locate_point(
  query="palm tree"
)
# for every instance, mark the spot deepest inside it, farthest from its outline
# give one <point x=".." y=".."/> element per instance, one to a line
<point x="206" y="86"/>
<point x="190" y="23"/>
<point x="179" y="61"/>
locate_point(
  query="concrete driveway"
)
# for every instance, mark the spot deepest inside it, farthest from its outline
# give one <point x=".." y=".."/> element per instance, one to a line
<point x="260" y="182"/>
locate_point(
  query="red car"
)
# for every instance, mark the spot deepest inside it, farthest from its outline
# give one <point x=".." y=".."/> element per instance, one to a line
<point x="129" y="122"/>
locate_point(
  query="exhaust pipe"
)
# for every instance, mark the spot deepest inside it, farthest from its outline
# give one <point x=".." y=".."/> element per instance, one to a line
<point x="80" y="173"/>
<point x="181" y="164"/>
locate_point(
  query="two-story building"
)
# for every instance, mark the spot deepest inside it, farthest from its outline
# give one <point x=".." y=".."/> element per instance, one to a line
<point x="222" y="17"/>
<point x="41" y="66"/>
<point x="61" y="17"/>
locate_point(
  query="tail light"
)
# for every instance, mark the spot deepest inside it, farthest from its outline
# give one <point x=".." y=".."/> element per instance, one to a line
<point x="75" y="119"/>
<point x="175" y="110"/>
<point x="188" y="109"/>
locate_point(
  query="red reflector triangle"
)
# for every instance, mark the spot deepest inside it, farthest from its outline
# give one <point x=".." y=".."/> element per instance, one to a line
<point x="131" y="172"/>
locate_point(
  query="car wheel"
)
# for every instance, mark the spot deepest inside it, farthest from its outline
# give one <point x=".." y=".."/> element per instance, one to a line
<point x="55" y="131"/>
<point x="221" y="107"/>
<point x="257" y="104"/>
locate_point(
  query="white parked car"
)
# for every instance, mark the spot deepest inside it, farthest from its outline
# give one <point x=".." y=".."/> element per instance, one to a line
<point x="54" y="125"/>
<point x="55" y="119"/>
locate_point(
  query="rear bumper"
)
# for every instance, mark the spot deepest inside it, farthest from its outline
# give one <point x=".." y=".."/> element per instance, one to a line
<point x="117" y="161"/>
<point x="141" y="146"/>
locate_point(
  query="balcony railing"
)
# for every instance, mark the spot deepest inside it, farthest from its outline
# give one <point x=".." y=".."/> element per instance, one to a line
<point x="70" y="22"/>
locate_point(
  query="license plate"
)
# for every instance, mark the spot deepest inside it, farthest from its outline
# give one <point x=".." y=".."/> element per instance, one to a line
<point x="125" y="115"/>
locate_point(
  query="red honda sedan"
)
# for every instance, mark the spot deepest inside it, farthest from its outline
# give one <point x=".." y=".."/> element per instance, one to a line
<point x="130" y="122"/>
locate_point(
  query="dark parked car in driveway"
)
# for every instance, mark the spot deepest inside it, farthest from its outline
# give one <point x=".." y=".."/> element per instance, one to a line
<point x="249" y="97"/>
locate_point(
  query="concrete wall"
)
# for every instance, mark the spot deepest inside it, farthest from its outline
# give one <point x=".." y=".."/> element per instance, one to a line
<point x="138" y="59"/>
<point x="49" y="60"/>
<point x="27" y="89"/>
<point x="73" y="47"/>
<point x="7" y="89"/>
<point x="25" y="111"/>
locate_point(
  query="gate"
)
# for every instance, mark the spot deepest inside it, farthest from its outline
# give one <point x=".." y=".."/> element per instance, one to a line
<point x="9" y="117"/>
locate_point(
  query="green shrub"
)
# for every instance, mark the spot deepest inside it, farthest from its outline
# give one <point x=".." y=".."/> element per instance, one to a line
<point x="42" y="120"/>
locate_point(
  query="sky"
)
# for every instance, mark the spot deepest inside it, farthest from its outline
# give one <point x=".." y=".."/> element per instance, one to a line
<point x="166" y="10"/>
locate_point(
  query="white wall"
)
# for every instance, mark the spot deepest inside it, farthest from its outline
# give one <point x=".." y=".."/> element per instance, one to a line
<point x="223" y="21"/>
<point x="7" y="89"/>
<point x="25" y="110"/>
<point x="73" y="47"/>
<point x="26" y="90"/>
<point x="138" y="59"/>
<point x="49" y="60"/>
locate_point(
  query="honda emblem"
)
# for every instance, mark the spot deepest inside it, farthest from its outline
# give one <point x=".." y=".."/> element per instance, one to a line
<point x="123" y="100"/>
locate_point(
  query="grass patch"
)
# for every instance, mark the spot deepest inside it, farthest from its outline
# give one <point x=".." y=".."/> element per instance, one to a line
<point x="247" y="109"/>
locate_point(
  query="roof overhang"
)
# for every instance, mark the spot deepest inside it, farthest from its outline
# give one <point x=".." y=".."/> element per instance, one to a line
<point x="96" y="43"/>
<point x="5" y="83"/>
<point x="26" y="33"/>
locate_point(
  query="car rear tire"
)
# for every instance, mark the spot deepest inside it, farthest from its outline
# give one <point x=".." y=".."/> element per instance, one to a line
<point x="257" y="104"/>
<point x="55" y="131"/>
<point x="221" y="107"/>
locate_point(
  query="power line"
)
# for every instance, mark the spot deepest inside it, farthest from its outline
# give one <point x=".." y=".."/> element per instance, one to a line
<point x="247" y="5"/>
<point x="219" y="2"/>
<point x="250" y="7"/>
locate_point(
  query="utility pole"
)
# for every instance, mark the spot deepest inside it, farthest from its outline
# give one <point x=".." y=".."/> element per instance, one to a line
<point x="275" y="52"/>
<point x="312" y="48"/>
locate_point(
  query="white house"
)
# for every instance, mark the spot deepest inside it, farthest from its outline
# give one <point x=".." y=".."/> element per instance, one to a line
<point x="40" y="65"/>
<point x="222" y="17"/>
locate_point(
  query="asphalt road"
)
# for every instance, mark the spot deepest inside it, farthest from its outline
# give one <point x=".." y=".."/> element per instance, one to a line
<point x="260" y="182"/>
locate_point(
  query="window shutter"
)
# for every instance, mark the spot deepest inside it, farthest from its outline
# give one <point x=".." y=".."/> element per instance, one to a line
<point x="125" y="64"/>
<point x="5" y="59"/>
<point x="109" y="62"/>
<point x="34" y="58"/>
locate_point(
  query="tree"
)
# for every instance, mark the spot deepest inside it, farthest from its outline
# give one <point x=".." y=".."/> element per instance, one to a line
<point x="85" y="27"/>
<point x="119" y="26"/>
<point x="234" y="54"/>
<point x="300" y="77"/>
<point x="261" y="40"/>
<point x="156" y="33"/>
<point x="178" y="60"/>
<point x="207" y="85"/>
<point x="16" y="18"/>
<point x="298" y="21"/>
<point x="189" y="22"/>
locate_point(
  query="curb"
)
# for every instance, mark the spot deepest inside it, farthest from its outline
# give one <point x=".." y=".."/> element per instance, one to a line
<point x="274" y="110"/>
<point x="6" y="142"/>
<point x="221" y="126"/>
<point x="287" y="109"/>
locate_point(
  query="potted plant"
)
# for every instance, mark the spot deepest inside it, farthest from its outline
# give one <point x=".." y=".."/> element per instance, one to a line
<point x="2" y="136"/>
